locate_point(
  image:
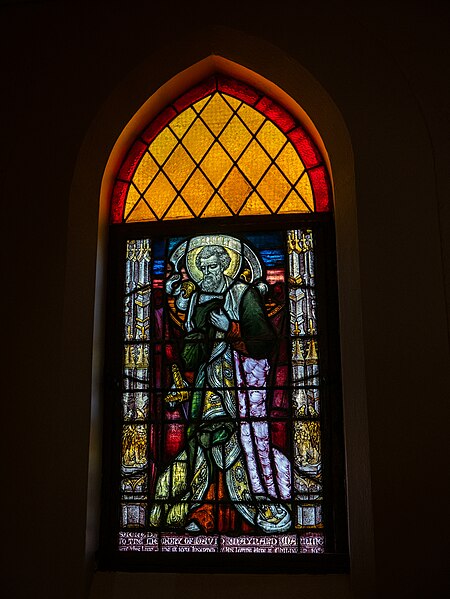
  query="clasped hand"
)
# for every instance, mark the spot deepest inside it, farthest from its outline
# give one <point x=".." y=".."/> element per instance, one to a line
<point x="220" y="320"/>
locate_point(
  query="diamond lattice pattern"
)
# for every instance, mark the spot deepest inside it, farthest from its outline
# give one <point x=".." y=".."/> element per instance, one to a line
<point x="219" y="157"/>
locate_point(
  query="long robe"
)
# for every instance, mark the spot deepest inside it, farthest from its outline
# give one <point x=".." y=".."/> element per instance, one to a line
<point x="231" y="372"/>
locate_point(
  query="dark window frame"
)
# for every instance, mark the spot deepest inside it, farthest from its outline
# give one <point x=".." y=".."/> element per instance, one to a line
<point x="336" y="558"/>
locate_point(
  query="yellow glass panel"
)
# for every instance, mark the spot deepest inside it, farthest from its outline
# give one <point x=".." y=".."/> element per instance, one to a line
<point x="179" y="166"/>
<point x="235" y="190"/>
<point x="160" y="194"/>
<point x="253" y="206"/>
<point x="273" y="188"/>
<point x="181" y="123"/>
<point x="197" y="192"/>
<point x="134" y="445"/>
<point x="199" y="105"/>
<point x="216" y="114"/>
<point x="293" y="204"/>
<point x="162" y="145"/>
<point x="198" y="140"/>
<point x="290" y="163"/>
<point x="232" y="101"/>
<point x="305" y="190"/>
<point x="254" y="162"/>
<point x="216" y="208"/>
<point x="307" y="442"/>
<point x="235" y="137"/>
<point x="133" y="197"/>
<point x="251" y="117"/>
<point x="178" y="210"/>
<point x="145" y="172"/>
<point x="196" y="146"/>
<point x="216" y="165"/>
<point x="141" y="213"/>
<point x="271" y="138"/>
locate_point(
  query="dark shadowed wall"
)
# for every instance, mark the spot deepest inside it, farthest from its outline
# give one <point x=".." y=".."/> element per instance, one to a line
<point x="374" y="79"/>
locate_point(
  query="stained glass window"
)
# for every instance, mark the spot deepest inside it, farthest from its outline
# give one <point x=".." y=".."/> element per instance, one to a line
<point x="222" y="149"/>
<point x="220" y="338"/>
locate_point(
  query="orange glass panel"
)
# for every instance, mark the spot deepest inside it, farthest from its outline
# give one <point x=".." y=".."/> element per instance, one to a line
<point x="160" y="194"/>
<point x="290" y="163"/>
<point x="133" y="197"/>
<point x="179" y="166"/>
<point x="251" y="117"/>
<point x="181" y="123"/>
<point x="163" y="145"/>
<point x="233" y="102"/>
<point x="216" y="165"/>
<point x="198" y="140"/>
<point x="197" y="192"/>
<point x="141" y="212"/>
<point x="179" y="210"/>
<point x="146" y="170"/>
<point x="216" y="114"/>
<point x="273" y="188"/>
<point x="254" y="205"/>
<point x="201" y="103"/>
<point x="235" y="137"/>
<point x="293" y="204"/>
<point x="196" y="166"/>
<point x="305" y="190"/>
<point x="216" y="208"/>
<point x="234" y="190"/>
<point x="271" y="138"/>
<point x="254" y="162"/>
<point x="253" y="131"/>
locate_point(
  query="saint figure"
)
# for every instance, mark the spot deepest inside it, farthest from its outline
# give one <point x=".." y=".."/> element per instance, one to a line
<point x="227" y="346"/>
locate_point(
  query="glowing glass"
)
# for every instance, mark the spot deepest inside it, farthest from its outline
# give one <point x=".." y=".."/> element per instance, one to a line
<point x="220" y="150"/>
<point x="221" y="440"/>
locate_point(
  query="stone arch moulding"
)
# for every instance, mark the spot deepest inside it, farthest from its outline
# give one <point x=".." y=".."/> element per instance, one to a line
<point x="107" y="142"/>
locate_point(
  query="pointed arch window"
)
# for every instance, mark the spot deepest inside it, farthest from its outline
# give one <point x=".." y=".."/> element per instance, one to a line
<point x="224" y="435"/>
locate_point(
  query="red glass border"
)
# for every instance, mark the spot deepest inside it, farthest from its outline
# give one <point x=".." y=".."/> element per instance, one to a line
<point x="118" y="201"/>
<point x="195" y="94"/>
<point x="321" y="188"/>
<point x="132" y="160"/>
<point x="305" y="147"/>
<point x="158" y="124"/>
<point x="238" y="89"/>
<point x="275" y="113"/>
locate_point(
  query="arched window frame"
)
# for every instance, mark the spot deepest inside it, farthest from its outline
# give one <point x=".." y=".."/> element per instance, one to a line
<point x="335" y="557"/>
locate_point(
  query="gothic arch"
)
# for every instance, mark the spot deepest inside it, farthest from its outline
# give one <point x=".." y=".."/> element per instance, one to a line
<point x="106" y="144"/>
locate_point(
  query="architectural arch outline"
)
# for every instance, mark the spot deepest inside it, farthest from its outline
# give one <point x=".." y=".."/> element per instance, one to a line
<point x="343" y="183"/>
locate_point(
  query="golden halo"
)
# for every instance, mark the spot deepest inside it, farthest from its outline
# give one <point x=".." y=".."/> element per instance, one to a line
<point x="230" y="244"/>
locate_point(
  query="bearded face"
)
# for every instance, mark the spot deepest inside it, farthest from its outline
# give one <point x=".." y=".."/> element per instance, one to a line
<point x="213" y="279"/>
